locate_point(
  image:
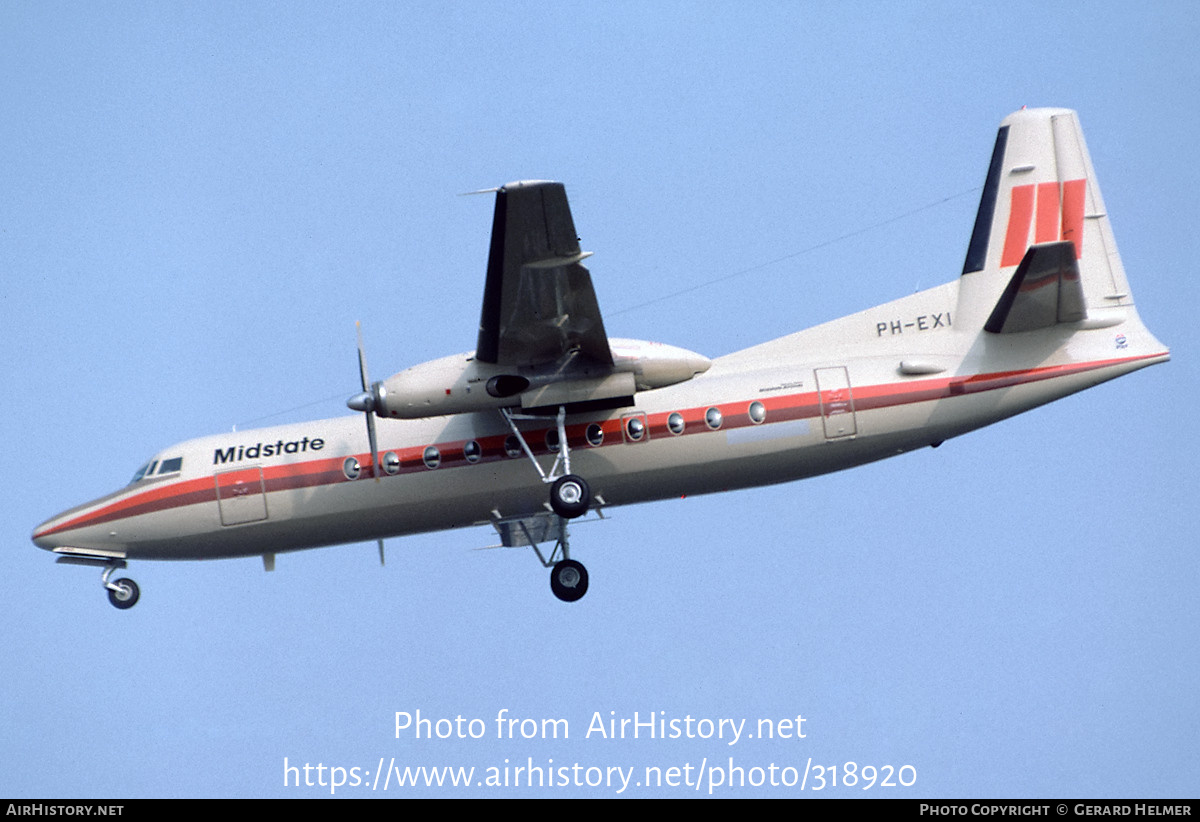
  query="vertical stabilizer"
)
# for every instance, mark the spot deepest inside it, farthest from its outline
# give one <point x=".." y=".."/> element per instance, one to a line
<point x="1041" y="189"/>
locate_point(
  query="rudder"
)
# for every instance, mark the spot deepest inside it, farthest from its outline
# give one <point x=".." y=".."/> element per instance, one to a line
<point x="1041" y="188"/>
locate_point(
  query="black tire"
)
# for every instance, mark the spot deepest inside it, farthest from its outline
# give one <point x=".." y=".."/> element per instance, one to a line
<point x="570" y="496"/>
<point x="126" y="596"/>
<point x="569" y="580"/>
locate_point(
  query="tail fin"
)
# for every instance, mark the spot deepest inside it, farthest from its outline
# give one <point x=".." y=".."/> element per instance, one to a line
<point x="1042" y="222"/>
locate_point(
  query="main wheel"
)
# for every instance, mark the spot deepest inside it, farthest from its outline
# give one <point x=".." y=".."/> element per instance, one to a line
<point x="126" y="595"/>
<point x="569" y="580"/>
<point x="570" y="496"/>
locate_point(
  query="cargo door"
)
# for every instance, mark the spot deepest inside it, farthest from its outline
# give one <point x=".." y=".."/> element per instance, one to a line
<point x="837" y="402"/>
<point x="241" y="496"/>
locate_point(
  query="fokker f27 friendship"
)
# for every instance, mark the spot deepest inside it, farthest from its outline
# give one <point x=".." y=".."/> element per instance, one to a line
<point x="549" y="418"/>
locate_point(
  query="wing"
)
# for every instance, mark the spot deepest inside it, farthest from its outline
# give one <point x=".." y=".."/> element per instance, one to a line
<point x="538" y="302"/>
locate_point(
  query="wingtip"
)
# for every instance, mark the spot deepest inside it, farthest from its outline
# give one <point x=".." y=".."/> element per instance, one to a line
<point x="512" y="185"/>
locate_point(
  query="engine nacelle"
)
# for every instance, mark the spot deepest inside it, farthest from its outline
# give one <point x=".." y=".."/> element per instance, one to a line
<point x="656" y="365"/>
<point x="461" y="384"/>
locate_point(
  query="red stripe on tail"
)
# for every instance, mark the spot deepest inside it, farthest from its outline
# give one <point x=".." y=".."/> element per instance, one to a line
<point x="1020" y="215"/>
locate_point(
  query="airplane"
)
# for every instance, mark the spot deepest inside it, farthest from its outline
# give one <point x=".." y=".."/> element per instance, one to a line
<point x="548" y="419"/>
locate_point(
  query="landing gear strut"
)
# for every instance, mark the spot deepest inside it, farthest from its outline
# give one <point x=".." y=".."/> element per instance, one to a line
<point x="123" y="593"/>
<point x="568" y="577"/>
<point x="570" y="495"/>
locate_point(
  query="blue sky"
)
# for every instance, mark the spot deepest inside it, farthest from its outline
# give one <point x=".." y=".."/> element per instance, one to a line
<point x="202" y="199"/>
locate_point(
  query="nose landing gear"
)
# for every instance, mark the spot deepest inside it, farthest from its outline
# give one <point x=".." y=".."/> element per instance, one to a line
<point x="123" y="593"/>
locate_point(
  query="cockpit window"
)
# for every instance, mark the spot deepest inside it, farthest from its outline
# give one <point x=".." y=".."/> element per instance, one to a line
<point x="171" y="466"/>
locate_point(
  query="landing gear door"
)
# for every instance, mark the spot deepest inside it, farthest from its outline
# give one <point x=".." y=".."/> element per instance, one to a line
<point x="241" y="496"/>
<point x="837" y="402"/>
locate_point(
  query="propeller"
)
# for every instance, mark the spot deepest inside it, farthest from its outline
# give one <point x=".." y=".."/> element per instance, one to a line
<point x="367" y="401"/>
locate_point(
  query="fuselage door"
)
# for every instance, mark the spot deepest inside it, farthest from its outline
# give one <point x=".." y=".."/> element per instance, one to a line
<point x="241" y="496"/>
<point x="837" y="402"/>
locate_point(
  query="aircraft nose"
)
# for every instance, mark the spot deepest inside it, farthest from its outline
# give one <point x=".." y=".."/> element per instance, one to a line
<point x="57" y="532"/>
<point x="44" y="538"/>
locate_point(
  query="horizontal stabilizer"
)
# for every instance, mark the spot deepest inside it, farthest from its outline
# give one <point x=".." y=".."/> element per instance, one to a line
<point x="1044" y="291"/>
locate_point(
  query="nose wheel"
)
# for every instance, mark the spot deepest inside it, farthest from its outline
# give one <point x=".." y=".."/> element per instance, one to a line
<point x="123" y="593"/>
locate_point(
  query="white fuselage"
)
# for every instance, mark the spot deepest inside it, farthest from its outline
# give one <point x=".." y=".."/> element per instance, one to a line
<point x="901" y="376"/>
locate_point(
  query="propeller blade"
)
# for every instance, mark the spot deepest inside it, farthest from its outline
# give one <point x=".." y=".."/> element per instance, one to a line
<point x="362" y="359"/>
<point x="365" y="402"/>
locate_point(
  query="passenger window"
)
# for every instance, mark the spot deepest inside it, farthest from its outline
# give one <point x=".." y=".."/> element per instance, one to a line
<point x="391" y="463"/>
<point x="675" y="423"/>
<point x="512" y="446"/>
<point x="472" y="451"/>
<point x="432" y="457"/>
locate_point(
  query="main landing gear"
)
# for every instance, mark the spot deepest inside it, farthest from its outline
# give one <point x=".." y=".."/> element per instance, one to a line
<point x="569" y="580"/>
<point x="570" y="497"/>
<point x="568" y="577"/>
